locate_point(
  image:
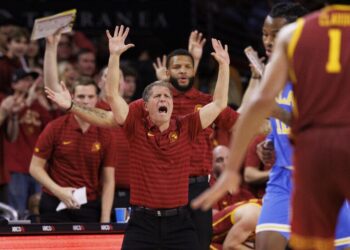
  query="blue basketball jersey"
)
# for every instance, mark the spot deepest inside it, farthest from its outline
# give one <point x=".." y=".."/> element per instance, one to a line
<point x="280" y="131"/>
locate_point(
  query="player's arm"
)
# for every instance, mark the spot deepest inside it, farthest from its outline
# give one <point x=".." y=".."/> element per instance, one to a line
<point x="252" y="87"/>
<point x="108" y="180"/>
<point x="117" y="47"/>
<point x="258" y="108"/>
<point x="210" y="111"/>
<point x="65" y="194"/>
<point x="253" y="175"/>
<point x="50" y="61"/>
<point x="281" y="114"/>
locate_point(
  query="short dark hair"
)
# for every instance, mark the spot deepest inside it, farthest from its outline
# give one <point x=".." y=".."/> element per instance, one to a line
<point x="178" y="52"/>
<point x="290" y="11"/>
<point x="84" y="51"/>
<point x="18" y="33"/>
<point x="148" y="90"/>
<point x="85" y="81"/>
<point x="128" y="70"/>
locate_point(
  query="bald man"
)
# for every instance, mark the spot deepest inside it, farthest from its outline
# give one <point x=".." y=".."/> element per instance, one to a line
<point x="234" y="216"/>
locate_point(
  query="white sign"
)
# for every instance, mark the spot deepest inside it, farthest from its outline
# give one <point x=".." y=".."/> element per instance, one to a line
<point x="79" y="195"/>
<point x="46" y="26"/>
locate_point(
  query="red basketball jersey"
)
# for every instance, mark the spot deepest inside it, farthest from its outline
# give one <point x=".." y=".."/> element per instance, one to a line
<point x="319" y="54"/>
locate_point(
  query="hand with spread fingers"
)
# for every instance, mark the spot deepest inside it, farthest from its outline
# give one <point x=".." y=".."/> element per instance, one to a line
<point x="160" y="68"/>
<point x="195" y="44"/>
<point x="228" y="181"/>
<point x="62" y="98"/>
<point x="116" y="42"/>
<point x="220" y="52"/>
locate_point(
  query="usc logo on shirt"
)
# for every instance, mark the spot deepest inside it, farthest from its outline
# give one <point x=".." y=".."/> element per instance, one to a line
<point x="96" y="146"/>
<point x="198" y="107"/>
<point x="173" y="136"/>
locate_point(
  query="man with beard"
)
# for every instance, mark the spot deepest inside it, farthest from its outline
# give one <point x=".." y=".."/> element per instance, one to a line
<point x="187" y="99"/>
<point x="179" y="69"/>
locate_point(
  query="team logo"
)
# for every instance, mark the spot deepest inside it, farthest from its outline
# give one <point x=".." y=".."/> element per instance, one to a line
<point x="173" y="136"/>
<point x="66" y="142"/>
<point x="96" y="146"/>
<point x="198" y="107"/>
<point x="30" y="130"/>
<point x="150" y="134"/>
<point x="215" y="142"/>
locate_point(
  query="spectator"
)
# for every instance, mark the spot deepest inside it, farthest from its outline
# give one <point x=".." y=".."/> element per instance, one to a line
<point x="27" y="123"/>
<point x="129" y="86"/>
<point x="16" y="47"/>
<point x="85" y="63"/>
<point x="234" y="216"/>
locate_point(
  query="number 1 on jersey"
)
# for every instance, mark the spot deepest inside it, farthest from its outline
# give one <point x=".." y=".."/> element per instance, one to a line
<point x="333" y="64"/>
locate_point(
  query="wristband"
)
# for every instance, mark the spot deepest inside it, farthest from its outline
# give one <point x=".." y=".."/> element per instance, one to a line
<point x="70" y="107"/>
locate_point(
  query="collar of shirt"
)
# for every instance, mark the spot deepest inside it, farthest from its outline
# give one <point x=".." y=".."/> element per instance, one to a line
<point x="73" y="123"/>
<point x="191" y="93"/>
<point x="155" y="130"/>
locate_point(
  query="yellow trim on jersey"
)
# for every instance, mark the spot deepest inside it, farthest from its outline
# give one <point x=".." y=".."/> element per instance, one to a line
<point x="272" y="227"/>
<point x="213" y="248"/>
<point x="292" y="45"/>
<point x="317" y="243"/>
<point x="336" y="7"/>
<point x="223" y="218"/>
<point x="238" y="205"/>
<point x="215" y="237"/>
<point x="342" y="241"/>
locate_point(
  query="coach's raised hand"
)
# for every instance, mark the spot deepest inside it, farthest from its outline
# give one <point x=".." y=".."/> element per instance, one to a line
<point x="116" y="42"/>
<point x="117" y="47"/>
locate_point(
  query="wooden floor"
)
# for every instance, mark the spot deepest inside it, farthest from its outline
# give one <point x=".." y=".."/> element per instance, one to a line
<point x="62" y="242"/>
